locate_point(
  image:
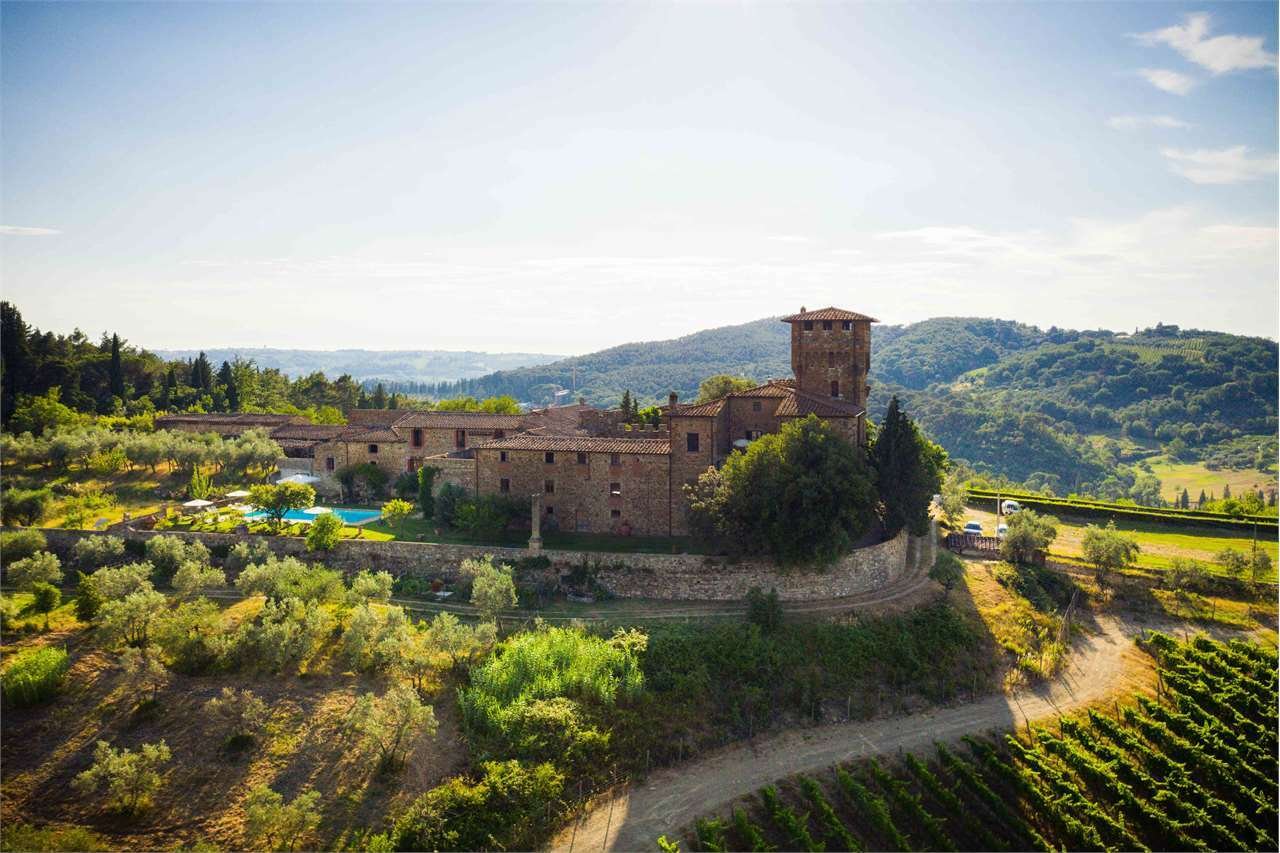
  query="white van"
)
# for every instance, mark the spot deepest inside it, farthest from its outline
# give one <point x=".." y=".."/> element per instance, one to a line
<point x="1010" y="507"/>
<point x="1002" y="531"/>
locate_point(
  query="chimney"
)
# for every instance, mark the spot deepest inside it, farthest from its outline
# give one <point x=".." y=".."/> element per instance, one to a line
<point x="671" y="400"/>
<point x="582" y="401"/>
<point x="802" y="309"/>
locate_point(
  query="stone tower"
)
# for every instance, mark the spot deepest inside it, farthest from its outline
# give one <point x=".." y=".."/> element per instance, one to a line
<point x="831" y="353"/>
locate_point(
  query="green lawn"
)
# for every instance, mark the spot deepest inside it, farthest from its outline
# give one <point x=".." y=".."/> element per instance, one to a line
<point x="1160" y="542"/>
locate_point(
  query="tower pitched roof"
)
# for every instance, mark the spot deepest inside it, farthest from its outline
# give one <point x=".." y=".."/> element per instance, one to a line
<point x="829" y="314"/>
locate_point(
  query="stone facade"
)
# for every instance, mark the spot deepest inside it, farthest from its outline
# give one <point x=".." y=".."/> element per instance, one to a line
<point x="672" y="577"/>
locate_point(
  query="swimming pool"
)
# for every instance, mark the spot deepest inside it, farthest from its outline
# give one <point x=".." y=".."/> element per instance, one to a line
<point x="348" y="516"/>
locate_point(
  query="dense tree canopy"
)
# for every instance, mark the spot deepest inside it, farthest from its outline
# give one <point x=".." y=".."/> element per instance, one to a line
<point x="909" y="470"/>
<point x="801" y="495"/>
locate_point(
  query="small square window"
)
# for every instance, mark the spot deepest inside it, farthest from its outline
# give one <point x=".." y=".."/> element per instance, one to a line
<point x="615" y="513"/>
<point x="808" y="325"/>
<point x="615" y="458"/>
<point x="691" y="441"/>
<point x="615" y="489"/>
<point x="417" y="437"/>
<point x="549" y="486"/>
<point x="551" y="510"/>
<point x="755" y="405"/>
<point x="826" y="325"/>
<point x="502" y="456"/>
<point x="549" y="457"/>
<point x="373" y="448"/>
<point x="847" y="325"/>
<point x="460" y="438"/>
<point x="328" y="463"/>
<point x="504" y="485"/>
<point x="582" y="459"/>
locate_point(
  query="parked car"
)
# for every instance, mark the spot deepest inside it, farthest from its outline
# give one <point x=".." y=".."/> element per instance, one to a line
<point x="973" y="528"/>
<point x="1010" y="507"/>
<point x="1002" y="530"/>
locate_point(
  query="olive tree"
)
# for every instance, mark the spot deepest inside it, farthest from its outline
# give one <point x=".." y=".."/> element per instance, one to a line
<point x="118" y="581"/>
<point x="1108" y="550"/>
<point x="238" y="714"/>
<point x="194" y="577"/>
<point x="276" y="500"/>
<point x="128" y="779"/>
<point x="91" y="552"/>
<point x="493" y="589"/>
<point x="272" y="824"/>
<point x="129" y="619"/>
<point x="1029" y="533"/>
<point x="40" y="567"/>
<point x="387" y="725"/>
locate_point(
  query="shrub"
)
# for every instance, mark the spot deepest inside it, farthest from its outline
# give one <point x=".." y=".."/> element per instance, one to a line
<point x="192" y="636"/>
<point x="447" y="500"/>
<point x="1029" y="533"/>
<point x="370" y="586"/>
<point x="88" y="599"/>
<point x="193" y="577"/>
<point x="279" y="578"/>
<point x="127" y="778"/>
<point x="507" y="809"/>
<point x="396" y="511"/>
<point x="25" y="506"/>
<point x="40" y="567"/>
<point x="167" y="553"/>
<point x="488" y="515"/>
<point x="406" y="486"/>
<point x="51" y="839"/>
<point x="238" y="714"/>
<point x="325" y="532"/>
<point x="129" y="619"/>
<point x="493" y="589"/>
<point x="116" y="582"/>
<point x="34" y="675"/>
<point x="92" y="552"/>
<point x="20" y="544"/>
<point x="243" y="554"/>
<point x="368" y="628"/>
<point x="389" y="725"/>
<point x="426" y="499"/>
<point x="764" y="609"/>
<point x="1108" y="550"/>
<point x="283" y="636"/>
<point x="947" y="570"/>
<point x="272" y="824"/>
<point x="47" y="598"/>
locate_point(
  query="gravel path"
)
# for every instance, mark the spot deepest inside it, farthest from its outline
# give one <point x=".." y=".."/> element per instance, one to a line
<point x="674" y="797"/>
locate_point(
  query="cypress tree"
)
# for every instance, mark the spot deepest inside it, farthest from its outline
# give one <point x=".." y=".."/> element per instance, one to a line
<point x="626" y="406"/>
<point x="379" y="400"/>
<point x="1185" y="500"/>
<point x="227" y="377"/>
<point x="1202" y="499"/>
<point x="907" y="474"/>
<point x="116" y="376"/>
<point x="1226" y="491"/>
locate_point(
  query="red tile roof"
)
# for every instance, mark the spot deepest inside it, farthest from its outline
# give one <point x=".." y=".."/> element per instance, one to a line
<point x="374" y="417"/>
<point x="375" y="434"/>
<point x="308" y="432"/>
<point x="829" y="314"/>
<point x="801" y="403"/>
<point x="457" y="420"/>
<point x="578" y="443"/>
<point x="697" y="410"/>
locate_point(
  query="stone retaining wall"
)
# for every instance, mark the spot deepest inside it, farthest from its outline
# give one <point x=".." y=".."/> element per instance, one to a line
<point x="659" y="576"/>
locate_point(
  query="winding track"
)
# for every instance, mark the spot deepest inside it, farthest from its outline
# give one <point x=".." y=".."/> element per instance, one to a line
<point x="672" y="798"/>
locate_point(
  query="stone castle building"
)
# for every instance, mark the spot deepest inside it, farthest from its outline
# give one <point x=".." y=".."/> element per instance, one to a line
<point x="592" y="473"/>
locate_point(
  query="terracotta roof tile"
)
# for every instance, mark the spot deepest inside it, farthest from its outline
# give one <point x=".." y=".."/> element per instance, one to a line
<point x="829" y="314"/>
<point x="380" y="434"/>
<point x="579" y="443"/>
<point x="697" y="410"/>
<point x="374" y="417"/>
<point x="307" y="432"/>
<point x="800" y="404"/>
<point x="457" y="420"/>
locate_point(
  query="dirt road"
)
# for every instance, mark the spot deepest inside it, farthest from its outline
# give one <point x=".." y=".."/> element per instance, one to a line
<point x="1102" y="663"/>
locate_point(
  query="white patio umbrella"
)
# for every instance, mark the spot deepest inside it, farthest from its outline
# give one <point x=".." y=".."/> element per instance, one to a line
<point x="198" y="503"/>
<point x="299" y="478"/>
<point x="238" y="493"/>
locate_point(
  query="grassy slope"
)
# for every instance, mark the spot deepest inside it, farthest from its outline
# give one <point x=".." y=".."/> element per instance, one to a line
<point x="1194" y="476"/>
<point x="45" y="746"/>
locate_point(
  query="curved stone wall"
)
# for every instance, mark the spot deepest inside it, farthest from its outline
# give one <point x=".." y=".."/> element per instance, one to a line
<point x="660" y="576"/>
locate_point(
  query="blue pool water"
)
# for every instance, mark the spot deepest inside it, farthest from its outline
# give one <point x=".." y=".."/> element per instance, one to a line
<point x="348" y="516"/>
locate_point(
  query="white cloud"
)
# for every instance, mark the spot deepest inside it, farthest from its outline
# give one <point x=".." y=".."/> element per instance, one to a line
<point x="1226" y="166"/>
<point x="1218" y="54"/>
<point x="27" y="231"/>
<point x="1139" y="122"/>
<point x="791" y="238"/>
<point x="1168" y="81"/>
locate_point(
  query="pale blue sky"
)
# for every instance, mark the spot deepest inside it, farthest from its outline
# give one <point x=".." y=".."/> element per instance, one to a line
<point x="565" y="177"/>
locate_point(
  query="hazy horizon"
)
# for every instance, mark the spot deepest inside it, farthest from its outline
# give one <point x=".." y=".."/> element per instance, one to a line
<point x="562" y="179"/>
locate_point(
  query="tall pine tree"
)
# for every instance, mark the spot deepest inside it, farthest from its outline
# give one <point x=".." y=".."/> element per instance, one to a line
<point x="626" y="406"/>
<point x="908" y="472"/>
<point x="379" y="400"/>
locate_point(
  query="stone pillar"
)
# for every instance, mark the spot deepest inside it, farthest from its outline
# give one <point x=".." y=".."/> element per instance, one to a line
<point x="535" y="530"/>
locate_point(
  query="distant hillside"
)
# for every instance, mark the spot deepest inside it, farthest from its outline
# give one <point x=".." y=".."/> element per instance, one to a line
<point x="1059" y="407"/>
<point x="360" y="364"/>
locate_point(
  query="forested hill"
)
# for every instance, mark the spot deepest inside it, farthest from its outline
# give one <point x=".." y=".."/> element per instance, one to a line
<point x="1063" y="408"/>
